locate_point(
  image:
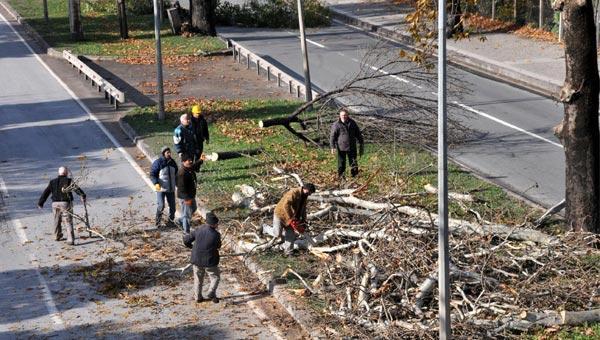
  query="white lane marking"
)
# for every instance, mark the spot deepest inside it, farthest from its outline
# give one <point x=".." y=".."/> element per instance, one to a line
<point x="84" y="107"/>
<point x="107" y="133"/>
<point x="315" y="43"/>
<point x="20" y="231"/>
<point x="499" y="121"/>
<point x="44" y="123"/>
<point x="470" y="109"/>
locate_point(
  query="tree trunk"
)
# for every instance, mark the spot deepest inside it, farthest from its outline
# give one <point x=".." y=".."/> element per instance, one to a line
<point x="579" y="131"/>
<point x="203" y="17"/>
<point x="122" y="13"/>
<point x="75" y="20"/>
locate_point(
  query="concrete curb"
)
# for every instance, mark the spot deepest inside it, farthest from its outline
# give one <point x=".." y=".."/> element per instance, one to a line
<point x="472" y="62"/>
<point x="303" y="317"/>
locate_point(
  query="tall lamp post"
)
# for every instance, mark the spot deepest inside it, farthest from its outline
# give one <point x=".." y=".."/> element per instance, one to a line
<point x="159" y="74"/>
<point x="307" y="83"/>
<point x="443" y="251"/>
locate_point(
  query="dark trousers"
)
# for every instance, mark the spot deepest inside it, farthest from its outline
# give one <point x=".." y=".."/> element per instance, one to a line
<point x="351" y="155"/>
<point x="160" y="200"/>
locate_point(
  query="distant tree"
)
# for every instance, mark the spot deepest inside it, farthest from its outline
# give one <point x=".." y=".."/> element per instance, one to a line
<point x="203" y="16"/>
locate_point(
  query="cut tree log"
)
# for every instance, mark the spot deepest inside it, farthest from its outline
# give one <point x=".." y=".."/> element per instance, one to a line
<point x="225" y="155"/>
<point x="452" y="195"/>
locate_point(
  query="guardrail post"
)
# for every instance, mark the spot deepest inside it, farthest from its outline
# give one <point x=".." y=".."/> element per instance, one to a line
<point x="268" y="73"/>
<point x="233" y="54"/>
<point x="291" y="90"/>
<point x="298" y="91"/>
<point x="278" y="79"/>
<point x="258" y="67"/>
<point x="105" y="94"/>
<point x="247" y="61"/>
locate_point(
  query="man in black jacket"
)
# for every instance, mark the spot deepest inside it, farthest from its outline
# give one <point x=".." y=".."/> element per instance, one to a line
<point x="186" y="190"/>
<point x="344" y="135"/>
<point x="200" y="127"/>
<point x="62" y="189"/>
<point x="206" y="242"/>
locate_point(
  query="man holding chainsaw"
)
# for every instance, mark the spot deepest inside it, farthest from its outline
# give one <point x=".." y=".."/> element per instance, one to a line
<point x="62" y="188"/>
<point x="289" y="217"/>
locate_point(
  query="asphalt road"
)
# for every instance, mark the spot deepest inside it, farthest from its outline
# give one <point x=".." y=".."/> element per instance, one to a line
<point x="511" y="141"/>
<point x="42" y="126"/>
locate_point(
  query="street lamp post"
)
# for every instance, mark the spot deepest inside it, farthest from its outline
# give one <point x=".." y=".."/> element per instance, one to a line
<point x="159" y="75"/>
<point x="443" y="251"/>
<point x="307" y="84"/>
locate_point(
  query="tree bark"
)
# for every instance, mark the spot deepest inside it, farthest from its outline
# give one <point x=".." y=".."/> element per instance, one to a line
<point x="579" y="133"/>
<point x="203" y="16"/>
<point x="122" y="13"/>
<point x="75" y="26"/>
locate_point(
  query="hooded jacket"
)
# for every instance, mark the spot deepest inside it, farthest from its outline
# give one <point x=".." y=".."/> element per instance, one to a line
<point x="164" y="172"/>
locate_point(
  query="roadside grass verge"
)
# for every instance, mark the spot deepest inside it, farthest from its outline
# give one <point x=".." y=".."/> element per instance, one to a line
<point x="400" y="169"/>
<point x="101" y="32"/>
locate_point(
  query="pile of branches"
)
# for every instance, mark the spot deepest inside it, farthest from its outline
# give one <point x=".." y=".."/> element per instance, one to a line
<point x="376" y="268"/>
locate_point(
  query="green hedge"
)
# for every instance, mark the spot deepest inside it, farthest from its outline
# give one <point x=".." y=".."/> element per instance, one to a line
<point x="272" y="14"/>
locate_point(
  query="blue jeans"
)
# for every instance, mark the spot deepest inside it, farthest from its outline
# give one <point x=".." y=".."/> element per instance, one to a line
<point x="186" y="214"/>
<point x="160" y="201"/>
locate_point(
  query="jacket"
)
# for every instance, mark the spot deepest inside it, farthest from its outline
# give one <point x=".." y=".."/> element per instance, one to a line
<point x="164" y="172"/>
<point x="55" y="188"/>
<point x="205" y="242"/>
<point x="186" y="184"/>
<point x="185" y="140"/>
<point x="344" y="136"/>
<point x="292" y="206"/>
<point x="200" y="127"/>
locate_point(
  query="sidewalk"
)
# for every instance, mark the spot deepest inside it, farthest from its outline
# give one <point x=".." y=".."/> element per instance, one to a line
<point x="535" y="65"/>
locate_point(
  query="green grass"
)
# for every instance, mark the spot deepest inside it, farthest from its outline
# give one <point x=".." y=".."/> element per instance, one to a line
<point x="101" y="32"/>
<point x="405" y="167"/>
<point x="584" y="332"/>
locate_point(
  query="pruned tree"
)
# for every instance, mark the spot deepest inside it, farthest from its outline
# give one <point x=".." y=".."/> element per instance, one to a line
<point x="203" y="16"/>
<point x="578" y="130"/>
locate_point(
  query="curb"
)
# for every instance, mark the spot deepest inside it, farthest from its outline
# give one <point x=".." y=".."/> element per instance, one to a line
<point x="465" y="60"/>
<point x="285" y="299"/>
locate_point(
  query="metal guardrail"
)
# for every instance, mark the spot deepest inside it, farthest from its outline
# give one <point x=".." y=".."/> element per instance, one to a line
<point x="293" y="84"/>
<point x="111" y="93"/>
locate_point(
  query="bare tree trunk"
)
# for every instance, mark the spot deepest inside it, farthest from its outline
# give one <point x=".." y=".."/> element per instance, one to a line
<point x="75" y="20"/>
<point x="579" y="128"/>
<point x="203" y="16"/>
<point x="122" y="12"/>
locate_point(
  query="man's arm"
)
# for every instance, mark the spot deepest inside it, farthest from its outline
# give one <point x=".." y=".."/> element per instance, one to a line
<point x="189" y="239"/>
<point x="45" y="195"/>
<point x="177" y="140"/>
<point x="79" y="192"/>
<point x="205" y="134"/>
<point x="154" y="172"/>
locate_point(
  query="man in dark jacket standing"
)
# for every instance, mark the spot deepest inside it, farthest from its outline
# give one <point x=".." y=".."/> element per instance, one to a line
<point x="186" y="191"/>
<point x="163" y="175"/>
<point x="184" y="138"/>
<point x="200" y="127"/>
<point x="62" y="189"/>
<point x="206" y="242"/>
<point x="344" y="135"/>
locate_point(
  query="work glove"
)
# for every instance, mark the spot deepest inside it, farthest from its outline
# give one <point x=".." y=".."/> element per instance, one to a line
<point x="297" y="226"/>
<point x="333" y="151"/>
<point x="157" y="187"/>
<point x="187" y="202"/>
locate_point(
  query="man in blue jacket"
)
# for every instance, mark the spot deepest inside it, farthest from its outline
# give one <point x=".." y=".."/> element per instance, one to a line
<point x="205" y="242"/>
<point x="163" y="175"/>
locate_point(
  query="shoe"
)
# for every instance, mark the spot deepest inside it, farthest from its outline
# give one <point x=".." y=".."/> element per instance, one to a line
<point x="215" y="299"/>
<point x="200" y="300"/>
<point x="60" y="238"/>
<point x="71" y="243"/>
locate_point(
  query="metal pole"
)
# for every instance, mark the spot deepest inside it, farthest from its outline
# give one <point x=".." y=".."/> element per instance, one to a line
<point x="493" y="9"/>
<point x="307" y="83"/>
<point x="541" y="19"/>
<point x="443" y="252"/>
<point x="45" y="3"/>
<point x="560" y="27"/>
<point x="159" y="75"/>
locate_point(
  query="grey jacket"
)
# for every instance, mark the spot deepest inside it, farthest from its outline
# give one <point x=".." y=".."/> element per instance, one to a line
<point x="344" y="136"/>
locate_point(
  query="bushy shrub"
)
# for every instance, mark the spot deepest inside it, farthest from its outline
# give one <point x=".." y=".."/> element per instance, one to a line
<point x="138" y="7"/>
<point x="272" y="14"/>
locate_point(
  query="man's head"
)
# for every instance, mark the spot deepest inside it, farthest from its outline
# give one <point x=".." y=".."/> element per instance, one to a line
<point x="166" y="152"/>
<point x="212" y="219"/>
<point x="308" y="188"/>
<point x="184" y="119"/>
<point x="344" y="115"/>
<point x="186" y="160"/>
<point x="63" y="171"/>
<point x="196" y="111"/>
